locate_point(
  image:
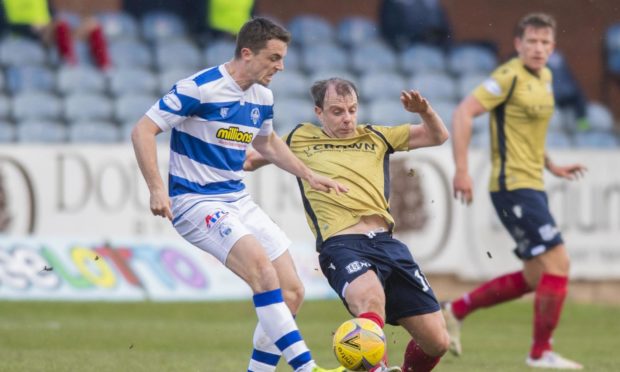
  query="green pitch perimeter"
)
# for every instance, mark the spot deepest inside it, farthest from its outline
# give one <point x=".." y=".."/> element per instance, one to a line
<point x="44" y="336"/>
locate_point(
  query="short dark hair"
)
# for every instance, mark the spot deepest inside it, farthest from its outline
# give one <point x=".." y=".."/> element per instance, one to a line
<point x="536" y="20"/>
<point x="255" y="34"/>
<point x="343" y="87"/>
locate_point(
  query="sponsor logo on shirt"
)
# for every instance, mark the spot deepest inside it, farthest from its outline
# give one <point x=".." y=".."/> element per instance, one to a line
<point x="360" y="146"/>
<point x="234" y="134"/>
<point x="356" y="266"/>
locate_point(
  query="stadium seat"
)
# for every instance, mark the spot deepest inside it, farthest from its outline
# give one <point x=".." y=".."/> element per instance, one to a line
<point x="7" y="132"/>
<point x="323" y="56"/>
<point x="422" y="58"/>
<point x="290" y="84"/>
<point x="177" y="53"/>
<point x="375" y="56"/>
<point x="326" y="74"/>
<point x="287" y="113"/>
<point x="292" y="61"/>
<point x="168" y="78"/>
<point x="599" y="117"/>
<point x="355" y="31"/>
<point x="36" y="105"/>
<point x="158" y="25"/>
<point x="87" y="106"/>
<point x="130" y="53"/>
<point x="19" y="51"/>
<point x="612" y="37"/>
<point x="126" y="128"/>
<point x="481" y="140"/>
<point x="596" y="139"/>
<point x="445" y="109"/>
<point x="128" y="108"/>
<point x="5" y="107"/>
<point x="481" y="123"/>
<point x="381" y="85"/>
<point x="133" y="80"/>
<point x="41" y="131"/>
<point x="465" y="84"/>
<point x="29" y="78"/>
<point x="310" y="29"/>
<point x="219" y="52"/>
<point x="434" y="86"/>
<point x="118" y="25"/>
<point x="466" y="59"/>
<point x="73" y="79"/>
<point x="390" y="113"/>
<point x="558" y="139"/>
<point x="93" y="132"/>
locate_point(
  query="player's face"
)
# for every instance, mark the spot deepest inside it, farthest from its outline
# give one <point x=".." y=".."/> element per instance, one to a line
<point x="535" y="46"/>
<point x="267" y="62"/>
<point x="339" y="114"/>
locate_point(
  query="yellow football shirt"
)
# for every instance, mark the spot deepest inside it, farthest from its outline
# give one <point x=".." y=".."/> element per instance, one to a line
<point x="520" y="104"/>
<point x="361" y="163"/>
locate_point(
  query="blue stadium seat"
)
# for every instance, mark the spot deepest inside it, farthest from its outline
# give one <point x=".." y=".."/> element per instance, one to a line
<point x="326" y="74"/>
<point x="129" y="53"/>
<point x="8" y="132"/>
<point x="168" y="78"/>
<point x="434" y="86"/>
<point x="36" y="105"/>
<point x="465" y="59"/>
<point x="126" y="128"/>
<point x="558" y="139"/>
<point x="41" y="131"/>
<point x="5" y="107"/>
<point x="287" y="113"/>
<point x="356" y="30"/>
<point x="596" y="139"/>
<point x="128" y="108"/>
<point x="158" y="25"/>
<point x="612" y="37"/>
<point x="324" y="56"/>
<point x="93" y="132"/>
<point x="19" y="51"/>
<point x="292" y="61"/>
<point x="376" y="56"/>
<point x="118" y="25"/>
<point x="381" y="85"/>
<point x="422" y="58"/>
<point x="219" y="52"/>
<point x="177" y="53"/>
<point x="81" y="107"/>
<point x="599" y="117"/>
<point x="310" y="29"/>
<point x="390" y="113"/>
<point x="290" y="84"/>
<point x="445" y="109"/>
<point x="132" y="80"/>
<point x="73" y="79"/>
<point x="481" y="140"/>
<point x="465" y="84"/>
<point x="29" y="78"/>
<point x="481" y="123"/>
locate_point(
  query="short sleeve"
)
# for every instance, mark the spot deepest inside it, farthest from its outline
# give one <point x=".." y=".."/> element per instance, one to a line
<point x="397" y="137"/>
<point x="181" y="102"/>
<point x="494" y="90"/>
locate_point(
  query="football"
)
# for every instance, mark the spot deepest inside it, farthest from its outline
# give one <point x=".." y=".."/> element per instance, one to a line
<point x="359" y="344"/>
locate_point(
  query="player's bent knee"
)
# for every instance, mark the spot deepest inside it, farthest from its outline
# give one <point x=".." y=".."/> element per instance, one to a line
<point x="294" y="296"/>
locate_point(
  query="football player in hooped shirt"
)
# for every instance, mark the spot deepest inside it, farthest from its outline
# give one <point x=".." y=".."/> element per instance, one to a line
<point x="214" y="115"/>
<point x="520" y="99"/>
<point x="373" y="273"/>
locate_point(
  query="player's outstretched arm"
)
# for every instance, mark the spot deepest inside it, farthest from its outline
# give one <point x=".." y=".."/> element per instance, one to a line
<point x="570" y="172"/>
<point x="145" y="148"/>
<point x="433" y="131"/>
<point x="462" y="124"/>
<point x="274" y="150"/>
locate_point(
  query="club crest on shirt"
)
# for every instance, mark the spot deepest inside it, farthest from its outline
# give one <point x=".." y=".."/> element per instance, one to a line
<point x="214" y="217"/>
<point x="492" y="86"/>
<point x="223" y="112"/>
<point x="255" y="115"/>
<point x="172" y="101"/>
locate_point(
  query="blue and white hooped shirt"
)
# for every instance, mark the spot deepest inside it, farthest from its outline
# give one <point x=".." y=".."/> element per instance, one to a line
<point x="212" y="121"/>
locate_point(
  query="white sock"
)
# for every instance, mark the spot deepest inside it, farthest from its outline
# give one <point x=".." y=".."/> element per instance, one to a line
<point x="265" y="355"/>
<point x="278" y="324"/>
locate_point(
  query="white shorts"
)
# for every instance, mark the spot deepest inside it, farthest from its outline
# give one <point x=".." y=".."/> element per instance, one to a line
<point x="215" y="227"/>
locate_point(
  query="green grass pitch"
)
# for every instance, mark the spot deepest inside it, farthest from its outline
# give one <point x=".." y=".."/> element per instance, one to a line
<point x="216" y="336"/>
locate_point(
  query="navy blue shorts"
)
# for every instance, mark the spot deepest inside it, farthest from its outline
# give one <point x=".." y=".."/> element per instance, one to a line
<point x="525" y="214"/>
<point x="407" y="292"/>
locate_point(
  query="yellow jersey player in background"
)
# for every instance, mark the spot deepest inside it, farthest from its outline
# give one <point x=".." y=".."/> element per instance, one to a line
<point x="520" y="98"/>
<point x="374" y="274"/>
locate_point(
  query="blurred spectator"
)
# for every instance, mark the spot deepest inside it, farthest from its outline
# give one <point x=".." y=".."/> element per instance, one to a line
<point x="193" y="12"/>
<point x="227" y="17"/>
<point x="33" y="18"/>
<point x="566" y="90"/>
<point x="404" y="22"/>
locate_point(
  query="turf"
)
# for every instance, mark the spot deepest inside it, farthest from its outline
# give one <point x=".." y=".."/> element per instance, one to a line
<point x="46" y="336"/>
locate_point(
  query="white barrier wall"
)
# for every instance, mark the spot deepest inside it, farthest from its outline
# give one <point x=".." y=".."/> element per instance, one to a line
<point x="60" y="207"/>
